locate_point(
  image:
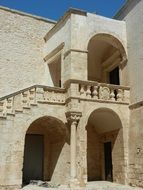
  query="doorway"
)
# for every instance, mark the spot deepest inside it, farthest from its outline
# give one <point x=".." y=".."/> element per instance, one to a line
<point x="108" y="161"/>
<point x="114" y="76"/>
<point x="33" y="158"/>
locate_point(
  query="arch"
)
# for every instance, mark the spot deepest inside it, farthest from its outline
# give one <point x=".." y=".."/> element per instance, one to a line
<point x="111" y="39"/>
<point x="105" y="53"/>
<point x="50" y="136"/>
<point x="104" y="140"/>
<point x="110" y="117"/>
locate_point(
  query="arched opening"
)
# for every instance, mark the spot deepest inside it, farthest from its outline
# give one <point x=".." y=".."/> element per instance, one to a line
<point x="106" y="54"/>
<point x="105" y="152"/>
<point x="45" y="143"/>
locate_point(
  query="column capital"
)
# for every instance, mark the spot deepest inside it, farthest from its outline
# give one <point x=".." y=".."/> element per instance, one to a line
<point x="73" y="116"/>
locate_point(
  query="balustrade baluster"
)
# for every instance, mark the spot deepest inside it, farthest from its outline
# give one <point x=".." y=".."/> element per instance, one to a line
<point x="119" y="95"/>
<point x="88" y="92"/>
<point x="82" y="91"/>
<point x="112" y="95"/>
<point x="95" y="92"/>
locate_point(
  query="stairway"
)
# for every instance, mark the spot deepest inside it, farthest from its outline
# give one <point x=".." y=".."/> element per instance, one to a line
<point x="29" y="97"/>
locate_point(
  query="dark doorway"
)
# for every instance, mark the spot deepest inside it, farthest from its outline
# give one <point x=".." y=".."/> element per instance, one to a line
<point x="108" y="161"/>
<point x="33" y="158"/>
<point x="114" y="76"/>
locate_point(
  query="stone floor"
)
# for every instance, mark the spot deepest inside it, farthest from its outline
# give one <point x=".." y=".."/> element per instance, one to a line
<point x="98" y="185"/>
<point x="104" y="185"/>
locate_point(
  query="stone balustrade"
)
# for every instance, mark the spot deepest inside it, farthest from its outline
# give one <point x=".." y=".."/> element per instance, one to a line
<point x="30" y="97"/>
<point x="88" y="90"/>
<point x="99" y="91"/>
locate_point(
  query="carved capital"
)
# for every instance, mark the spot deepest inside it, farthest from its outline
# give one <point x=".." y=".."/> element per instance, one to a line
<point x="73" y="116"/>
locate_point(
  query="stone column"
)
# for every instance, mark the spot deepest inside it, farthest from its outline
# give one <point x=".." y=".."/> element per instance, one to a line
<point x="73" y="119"/>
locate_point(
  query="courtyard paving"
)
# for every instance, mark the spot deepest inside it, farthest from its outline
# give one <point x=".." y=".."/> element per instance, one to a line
<point x="99" y="185"/>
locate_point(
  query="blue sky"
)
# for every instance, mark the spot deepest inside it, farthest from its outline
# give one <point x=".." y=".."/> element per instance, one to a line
<point x="54" y="9"/>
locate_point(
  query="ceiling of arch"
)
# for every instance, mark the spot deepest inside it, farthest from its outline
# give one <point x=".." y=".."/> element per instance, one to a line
<point x="104" y="121"/>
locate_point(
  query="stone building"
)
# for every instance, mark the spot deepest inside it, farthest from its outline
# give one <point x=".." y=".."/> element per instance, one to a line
<point x="71" y="98"/>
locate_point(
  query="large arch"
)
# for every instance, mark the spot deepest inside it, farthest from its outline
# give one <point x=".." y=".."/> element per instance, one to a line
<point x="106" y="53"/>
<point x="45" y="146"/>
<point x="105" y="146"/>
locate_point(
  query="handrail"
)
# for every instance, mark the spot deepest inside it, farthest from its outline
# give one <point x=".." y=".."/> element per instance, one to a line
<point x="56" y="89"/>
<point x="68" y="82"/>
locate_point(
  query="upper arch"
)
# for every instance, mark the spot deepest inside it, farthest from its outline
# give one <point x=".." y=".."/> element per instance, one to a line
<point x="110" y="39"/>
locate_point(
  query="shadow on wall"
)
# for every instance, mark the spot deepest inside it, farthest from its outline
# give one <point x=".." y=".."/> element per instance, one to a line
<point x="105" y="152"/>
<point x="45" y="141"/>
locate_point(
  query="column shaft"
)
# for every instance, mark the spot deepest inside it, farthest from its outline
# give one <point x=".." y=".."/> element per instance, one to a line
<point x="73" y="149"/>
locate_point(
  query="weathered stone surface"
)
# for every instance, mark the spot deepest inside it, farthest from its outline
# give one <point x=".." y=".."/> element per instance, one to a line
<point x="80" y="108"/>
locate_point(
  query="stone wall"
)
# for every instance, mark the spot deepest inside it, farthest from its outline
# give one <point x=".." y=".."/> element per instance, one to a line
<point x="21" y="51"/>
<point x="12" y="139"/>
<point x="136" y="148"/>
<point x="134" y="27"/>
<point x="75" y="49"/>
<point x="132" y="14"/>
<point x="119" y="143"/>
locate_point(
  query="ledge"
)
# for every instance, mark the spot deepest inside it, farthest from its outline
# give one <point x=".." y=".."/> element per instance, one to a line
<point x="96" y="100"/>
<point x="136" y="105"/>
<point x="74" y="50"/>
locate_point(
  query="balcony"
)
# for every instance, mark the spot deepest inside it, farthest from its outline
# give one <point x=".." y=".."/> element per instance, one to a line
<point x="94" y="91"/>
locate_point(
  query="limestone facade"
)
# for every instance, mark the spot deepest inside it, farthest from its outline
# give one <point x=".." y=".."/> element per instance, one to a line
<point x="71" y="98"/>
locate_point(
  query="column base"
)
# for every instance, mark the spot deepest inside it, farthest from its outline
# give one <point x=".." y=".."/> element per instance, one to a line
<point x="74" y="183"/>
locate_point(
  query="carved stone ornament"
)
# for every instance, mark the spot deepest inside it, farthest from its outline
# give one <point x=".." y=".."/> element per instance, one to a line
<point x="73" y="116"/>
<point x="104" y="93"/>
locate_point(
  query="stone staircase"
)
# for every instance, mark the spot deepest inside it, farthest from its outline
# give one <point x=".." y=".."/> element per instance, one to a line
<point x="29" y="97"/>
<point x="76" y="89"/>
